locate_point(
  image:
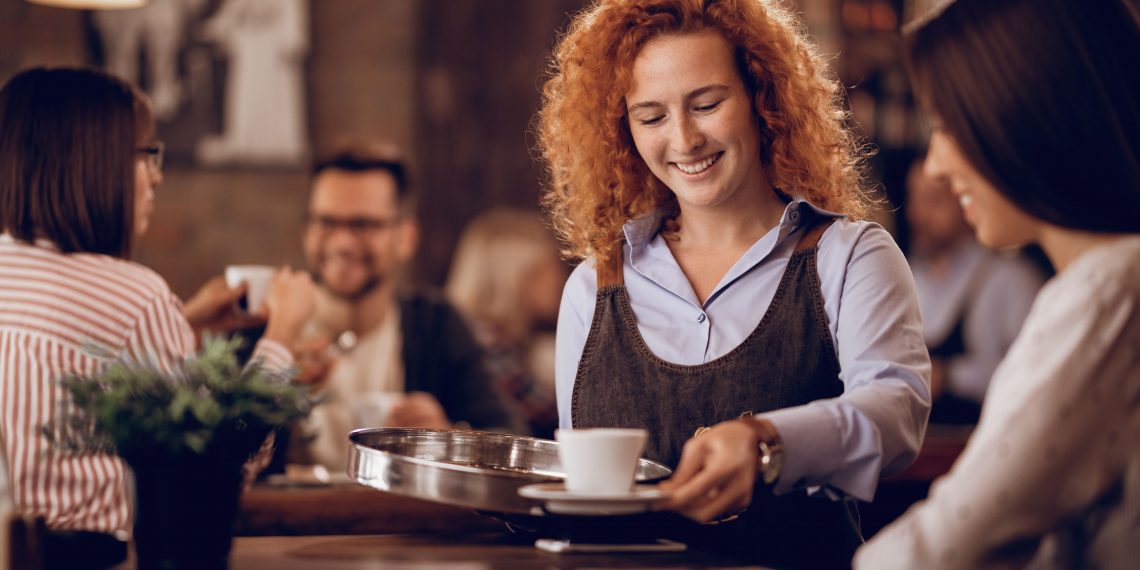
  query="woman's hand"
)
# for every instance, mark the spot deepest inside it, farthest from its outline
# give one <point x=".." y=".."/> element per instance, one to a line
<point x="717" y="471"/>
<point x="288" y="305"/>
<point x="214" y="308"/>
<point x="313" y="358"/>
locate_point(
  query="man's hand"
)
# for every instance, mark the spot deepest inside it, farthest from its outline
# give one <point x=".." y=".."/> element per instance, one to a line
<point x="418" y="409"/>
<point x="717" y="471"/>
<point x="289" y="303"/>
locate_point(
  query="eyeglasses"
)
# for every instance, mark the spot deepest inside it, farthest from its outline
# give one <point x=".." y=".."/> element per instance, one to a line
<point x="359" y="227"/>
<point x="154" y="153"/>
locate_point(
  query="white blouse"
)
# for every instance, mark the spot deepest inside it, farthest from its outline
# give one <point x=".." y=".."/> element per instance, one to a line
<point x="1051" y="476"/>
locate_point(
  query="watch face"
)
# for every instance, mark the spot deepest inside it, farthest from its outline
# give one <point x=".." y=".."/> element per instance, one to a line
<point x="774" y="466"/>
<point x="771" y="460"/>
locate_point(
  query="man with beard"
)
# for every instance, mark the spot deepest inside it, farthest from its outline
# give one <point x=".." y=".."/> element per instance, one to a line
<point x="384" y="355"/>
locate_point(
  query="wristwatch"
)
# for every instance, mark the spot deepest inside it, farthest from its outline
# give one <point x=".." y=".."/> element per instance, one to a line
<point x="771" y="460"/>
<point x="770" y="454"/>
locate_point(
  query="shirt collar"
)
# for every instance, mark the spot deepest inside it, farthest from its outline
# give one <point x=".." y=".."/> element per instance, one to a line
<point x="44" y="243"/>
<point x="641" y="230"/>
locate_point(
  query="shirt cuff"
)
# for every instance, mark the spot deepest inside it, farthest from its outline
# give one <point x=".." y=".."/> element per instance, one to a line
<point x="812" y="447"/>
<point x="273" y="355"/>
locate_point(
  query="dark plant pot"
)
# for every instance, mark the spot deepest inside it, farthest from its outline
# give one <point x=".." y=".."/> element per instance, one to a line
<point x="185" y="508"/>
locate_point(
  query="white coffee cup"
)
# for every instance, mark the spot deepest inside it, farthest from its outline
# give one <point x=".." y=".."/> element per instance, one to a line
<point x="371" y="409"/>
<point x="257" y="276"/>
<point x="601" y="461"/>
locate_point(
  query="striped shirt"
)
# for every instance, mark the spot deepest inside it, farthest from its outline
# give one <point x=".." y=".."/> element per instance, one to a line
<point x="73" y="314"/>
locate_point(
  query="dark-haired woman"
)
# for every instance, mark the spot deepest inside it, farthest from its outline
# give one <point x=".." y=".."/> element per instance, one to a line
<point x="78" y="168"/>
<point x="1036" y="110"/>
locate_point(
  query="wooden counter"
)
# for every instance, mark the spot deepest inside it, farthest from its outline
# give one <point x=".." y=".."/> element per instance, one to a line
<point x="439" y="552"/>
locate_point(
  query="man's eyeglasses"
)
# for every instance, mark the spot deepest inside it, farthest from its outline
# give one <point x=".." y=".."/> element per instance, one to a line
<point x="154" y="153"/>
<point x="360" y="227"/>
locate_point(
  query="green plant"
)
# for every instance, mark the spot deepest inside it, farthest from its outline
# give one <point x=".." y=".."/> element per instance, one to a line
<point x="209" y="406"/>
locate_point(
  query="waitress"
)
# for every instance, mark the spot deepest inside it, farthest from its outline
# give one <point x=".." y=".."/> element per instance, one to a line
<point x="700" y="166"/>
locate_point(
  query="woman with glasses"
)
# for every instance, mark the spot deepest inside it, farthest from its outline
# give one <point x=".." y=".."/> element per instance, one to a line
<point x="154" y="153"/>
<point x="78" y="170"/>
<point x="1035" y="106"/>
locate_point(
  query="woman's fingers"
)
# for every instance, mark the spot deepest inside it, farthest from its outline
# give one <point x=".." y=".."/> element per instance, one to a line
<point x="729" y="497"/>
<point x="692" y="458"/>
<point x="716" y="473"/>
<point x="229" y="295"/>
<point x="212" y="307"/>
<point x="709" y="481"/>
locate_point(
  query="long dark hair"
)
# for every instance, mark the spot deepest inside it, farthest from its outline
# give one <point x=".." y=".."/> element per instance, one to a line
<point x="1043" y="98"/>
<point x="68" y="139"/>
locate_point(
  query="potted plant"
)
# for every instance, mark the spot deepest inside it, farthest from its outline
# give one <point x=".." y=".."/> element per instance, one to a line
<point x="187" y="436"/>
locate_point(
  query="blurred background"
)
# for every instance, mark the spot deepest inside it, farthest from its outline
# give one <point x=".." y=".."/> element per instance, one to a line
<point x="248" y="90"/>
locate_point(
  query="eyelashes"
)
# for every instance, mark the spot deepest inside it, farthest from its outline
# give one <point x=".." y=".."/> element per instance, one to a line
<point x="650" y="121"/>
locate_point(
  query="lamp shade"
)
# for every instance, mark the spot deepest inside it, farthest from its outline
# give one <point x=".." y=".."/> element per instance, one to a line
<point x="92" y="4"/>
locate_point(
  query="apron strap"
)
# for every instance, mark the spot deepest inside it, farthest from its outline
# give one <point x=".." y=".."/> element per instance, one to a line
<point x="610" y="272"/>
<point x="811" y="237"/>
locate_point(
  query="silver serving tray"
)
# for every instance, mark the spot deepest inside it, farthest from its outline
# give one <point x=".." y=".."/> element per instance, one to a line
<point x="472" y="469"/>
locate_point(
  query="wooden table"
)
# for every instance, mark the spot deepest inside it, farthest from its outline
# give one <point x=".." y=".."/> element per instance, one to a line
<point x="940" y="449"/>
<point x="478" y="551"/>
<point x="352" y="527"/>
<point x="349" y="508"/>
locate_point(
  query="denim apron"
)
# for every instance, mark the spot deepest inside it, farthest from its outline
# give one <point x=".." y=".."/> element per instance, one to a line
<point x="788" y="360"/>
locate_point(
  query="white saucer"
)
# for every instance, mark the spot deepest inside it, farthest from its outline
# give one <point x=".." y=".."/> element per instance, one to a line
<point x="559" y="500"/>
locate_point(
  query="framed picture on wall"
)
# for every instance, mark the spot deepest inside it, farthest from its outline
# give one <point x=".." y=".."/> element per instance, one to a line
<point x="226" y="78"/>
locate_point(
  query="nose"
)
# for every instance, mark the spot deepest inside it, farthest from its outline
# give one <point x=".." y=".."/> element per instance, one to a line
<point x="687" y="135"/>
<point x="934" y="167"/>
<point x="339" y="238"/>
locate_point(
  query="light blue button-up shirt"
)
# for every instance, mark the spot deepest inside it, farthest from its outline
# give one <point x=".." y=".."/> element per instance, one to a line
<point x="842" y="445"/>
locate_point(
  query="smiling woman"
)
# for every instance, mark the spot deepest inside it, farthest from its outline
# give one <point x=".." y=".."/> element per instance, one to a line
<point x="691" y="118"/>
<point x="700" y="165"/>
<point x="794" y="104"/>
<point x="1037" y="112"/>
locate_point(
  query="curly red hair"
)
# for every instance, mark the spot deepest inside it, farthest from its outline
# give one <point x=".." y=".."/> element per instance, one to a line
<point x="597" y="179"/>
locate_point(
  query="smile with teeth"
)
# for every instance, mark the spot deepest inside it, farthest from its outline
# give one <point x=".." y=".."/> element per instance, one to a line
<point x="698" y="166"/>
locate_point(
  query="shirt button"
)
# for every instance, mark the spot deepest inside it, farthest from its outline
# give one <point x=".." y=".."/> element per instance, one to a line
<point x="794" y="215"/>
<point x="701" y="318"/>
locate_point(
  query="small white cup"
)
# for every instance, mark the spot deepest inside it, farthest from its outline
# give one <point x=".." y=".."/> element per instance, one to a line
<point x="600" y="461"/>
<point x="371" y="409"/>
<point x="258" y="277"/>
